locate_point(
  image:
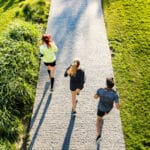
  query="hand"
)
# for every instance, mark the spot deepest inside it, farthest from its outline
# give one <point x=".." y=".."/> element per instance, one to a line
<point x="117" y="105"/>
<point x="96" y="96"/>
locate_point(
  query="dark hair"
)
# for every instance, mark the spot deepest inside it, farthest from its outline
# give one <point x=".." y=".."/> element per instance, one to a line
<point x="110" y="82"/>
<point x="47" y="39"/>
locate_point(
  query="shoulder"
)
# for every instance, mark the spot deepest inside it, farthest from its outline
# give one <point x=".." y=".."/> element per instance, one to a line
<point x="100" y="90"/>
<point x="43" y="47"/>
<point x="53" y="45"/>
<point x="113" y="91"/>
<point x="80" y="71"/>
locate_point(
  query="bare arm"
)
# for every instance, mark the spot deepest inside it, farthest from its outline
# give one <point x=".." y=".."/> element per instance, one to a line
<point x="66" y="72"/>
<point x="117" y="105"/>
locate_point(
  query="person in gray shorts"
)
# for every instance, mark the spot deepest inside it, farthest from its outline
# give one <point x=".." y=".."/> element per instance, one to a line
<point x="107" y="96"/>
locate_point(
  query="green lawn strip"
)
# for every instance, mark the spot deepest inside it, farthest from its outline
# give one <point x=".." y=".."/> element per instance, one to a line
<point x="128" y="30"/>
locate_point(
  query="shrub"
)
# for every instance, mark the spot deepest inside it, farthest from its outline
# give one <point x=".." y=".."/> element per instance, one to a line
<point x="18" y="78"/>
<point x="36" y="10"/>
<point x="6" y="145"/>
<point x="19" y="67"/>
<point x="10" y="126"/>
<point x="23" y="31"/>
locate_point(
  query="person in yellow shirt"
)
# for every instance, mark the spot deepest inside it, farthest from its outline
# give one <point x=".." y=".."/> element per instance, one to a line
<point x="48" y="51"/>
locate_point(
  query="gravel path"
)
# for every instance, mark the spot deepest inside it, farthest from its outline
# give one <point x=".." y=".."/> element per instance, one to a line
<point x="78" y="30"/>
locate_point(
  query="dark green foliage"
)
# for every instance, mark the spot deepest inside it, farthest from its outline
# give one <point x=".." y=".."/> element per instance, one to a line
<point x="18" y="75"/>
<point x="6" y="145"/>
<point x="128" y="31"/>
<point x="6" y="4"/>
<point x="35" y="10"/>
<point x="10" y="126"/>
<point x="19" y="65"/>
<point x="24" y="32"/>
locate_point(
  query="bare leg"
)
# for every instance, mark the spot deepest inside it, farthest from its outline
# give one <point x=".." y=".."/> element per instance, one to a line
<point x="98" y="125"/>
<point x="49" y="71"/>
<point x="77" y="91"/>
<point x="73" y="93"/>
<point x="52" y="71"/>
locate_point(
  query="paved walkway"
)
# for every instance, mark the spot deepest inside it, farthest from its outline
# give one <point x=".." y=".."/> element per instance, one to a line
<point x="79" y="31"/>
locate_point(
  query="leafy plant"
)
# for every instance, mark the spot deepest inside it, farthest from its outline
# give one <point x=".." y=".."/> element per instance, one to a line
<point x="10" y="126"/>
<point x="35" y="10"/>
<point x="6" y="145"/>
<point x="23" y="31"/>
<point x="19" y="66"/>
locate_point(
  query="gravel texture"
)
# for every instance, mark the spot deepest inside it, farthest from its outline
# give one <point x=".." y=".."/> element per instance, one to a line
<point x="78" y="30"/>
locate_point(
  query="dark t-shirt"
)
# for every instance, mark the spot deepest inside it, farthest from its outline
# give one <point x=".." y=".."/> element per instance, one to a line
<point x="107" y="99"/>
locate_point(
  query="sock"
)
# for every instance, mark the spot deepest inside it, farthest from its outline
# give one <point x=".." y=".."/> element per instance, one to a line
<point x="52" y="83"/>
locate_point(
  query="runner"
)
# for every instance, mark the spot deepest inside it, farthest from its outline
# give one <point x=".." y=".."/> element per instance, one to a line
<point x="76" y="81"/>
<point x="107" y="96"/>
<point x="48" y="51"/>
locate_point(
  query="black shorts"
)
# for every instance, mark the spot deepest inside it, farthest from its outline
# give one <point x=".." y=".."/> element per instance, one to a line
<point x="50" y="64"/>
<point x="74" y="87"/>
<point x="101" y="113"/>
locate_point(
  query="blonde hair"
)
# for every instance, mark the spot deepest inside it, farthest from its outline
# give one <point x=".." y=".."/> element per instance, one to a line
<point x="73" y="69"/>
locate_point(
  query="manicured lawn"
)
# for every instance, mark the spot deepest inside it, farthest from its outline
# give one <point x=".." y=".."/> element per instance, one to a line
<point x="128" y="30"/>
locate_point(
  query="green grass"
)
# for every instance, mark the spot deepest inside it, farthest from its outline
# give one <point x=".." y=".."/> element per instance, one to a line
<point x="19" y="66"/>
<point x="128" y="30"/>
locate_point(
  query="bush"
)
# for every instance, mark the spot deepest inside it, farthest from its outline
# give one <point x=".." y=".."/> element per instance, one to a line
<point x="23" y="31"/>
<point x="19" y="65"/>
<point x="6" y="145"/>
<point x="35" y="10"/>
<point x="10" y="126"/>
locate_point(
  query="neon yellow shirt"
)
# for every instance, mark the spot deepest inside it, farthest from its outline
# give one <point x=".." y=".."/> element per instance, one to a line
<point x="49" y="53"/>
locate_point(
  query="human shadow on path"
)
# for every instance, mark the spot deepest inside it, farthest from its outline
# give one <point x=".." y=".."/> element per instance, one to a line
<point x="39" y="105"/>
<point x="69" y="133"/>
<point x="31" y="122"/>
<point x="98" y="145"/>
<point x="40" y="122"/>
<point x="64" y="27"/>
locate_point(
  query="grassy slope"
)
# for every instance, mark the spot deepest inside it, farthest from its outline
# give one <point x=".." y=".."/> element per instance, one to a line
<point x="128" y="30"/>
<point x="8" y="11"/>
<point x="7" y="16"/>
